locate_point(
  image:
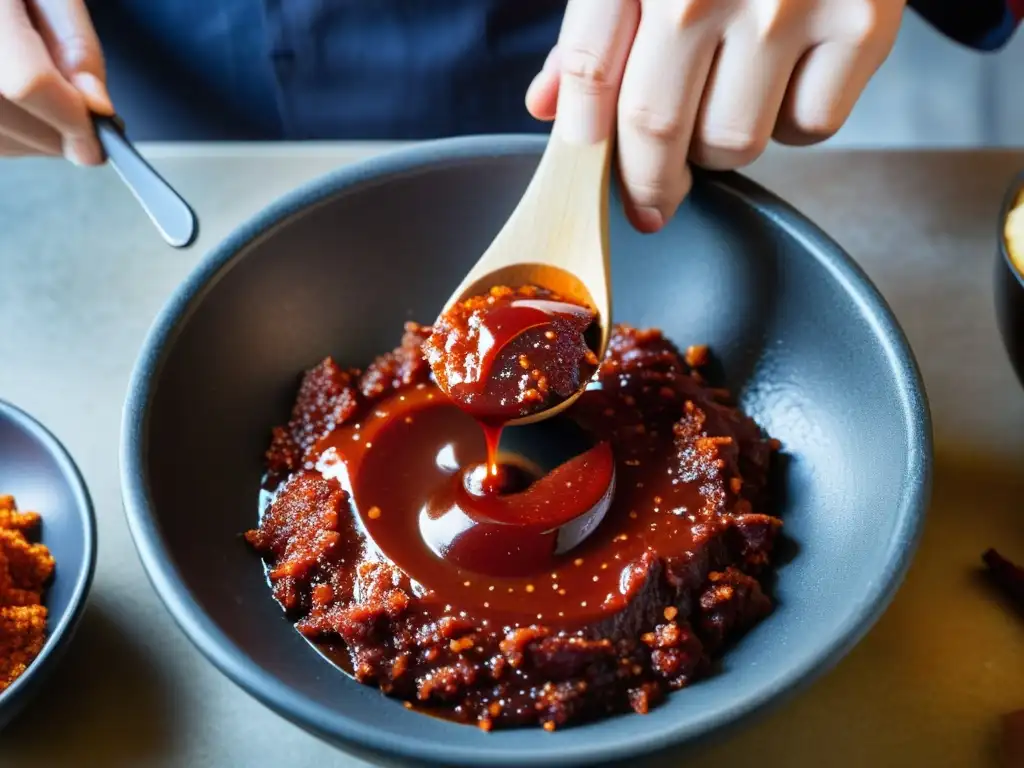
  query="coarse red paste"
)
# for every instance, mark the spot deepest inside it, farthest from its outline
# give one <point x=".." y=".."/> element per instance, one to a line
<point x="525" y="634"/>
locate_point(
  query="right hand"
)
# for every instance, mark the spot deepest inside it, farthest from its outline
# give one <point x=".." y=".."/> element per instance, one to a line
<point x="51" y="78"/>
<point x="707" y="82"/>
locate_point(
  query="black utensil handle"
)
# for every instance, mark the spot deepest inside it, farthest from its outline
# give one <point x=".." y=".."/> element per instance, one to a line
<point x="165" y="207"/>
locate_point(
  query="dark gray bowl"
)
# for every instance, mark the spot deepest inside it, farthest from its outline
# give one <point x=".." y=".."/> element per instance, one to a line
<point x="39" y="473"/>
<point x="1009" y="288"/>
<point x="336" y="267"/>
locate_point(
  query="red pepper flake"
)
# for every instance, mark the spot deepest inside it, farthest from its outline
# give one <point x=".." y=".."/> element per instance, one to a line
<point x="696" y="356"/>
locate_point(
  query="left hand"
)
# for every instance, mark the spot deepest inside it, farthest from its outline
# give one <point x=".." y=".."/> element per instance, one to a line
<point x="51" y="78"/>
<point x="706" y="81"/>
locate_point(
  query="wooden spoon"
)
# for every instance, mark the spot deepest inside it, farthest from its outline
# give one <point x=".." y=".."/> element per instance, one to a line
<point x="556" y="238"/>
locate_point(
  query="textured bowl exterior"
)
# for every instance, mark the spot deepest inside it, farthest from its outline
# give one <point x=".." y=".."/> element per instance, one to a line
<point x="800" y="334"/>
<point x="41" y="475"/>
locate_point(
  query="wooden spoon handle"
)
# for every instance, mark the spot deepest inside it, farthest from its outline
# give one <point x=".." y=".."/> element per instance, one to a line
<point x="560" y="224"/>
<point x="567" y="202"/>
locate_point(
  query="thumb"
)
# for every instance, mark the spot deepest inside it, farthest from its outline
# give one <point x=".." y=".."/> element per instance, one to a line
<point x="71" y="39"/>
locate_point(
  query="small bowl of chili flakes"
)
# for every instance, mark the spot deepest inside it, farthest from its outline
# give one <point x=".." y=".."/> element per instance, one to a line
<point x="47" y="555"/>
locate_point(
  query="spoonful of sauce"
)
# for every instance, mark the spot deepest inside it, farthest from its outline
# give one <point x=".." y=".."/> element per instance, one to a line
<point x="540" y="287"/>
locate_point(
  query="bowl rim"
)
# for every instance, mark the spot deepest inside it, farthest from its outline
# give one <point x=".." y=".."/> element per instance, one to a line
<point x="61" y="632"/>
<point x="333" y="724"/>
<point x="1013" y="192"/>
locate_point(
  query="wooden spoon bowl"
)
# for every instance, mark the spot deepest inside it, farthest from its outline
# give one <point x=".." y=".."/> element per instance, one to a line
<point x="556" y="238"/>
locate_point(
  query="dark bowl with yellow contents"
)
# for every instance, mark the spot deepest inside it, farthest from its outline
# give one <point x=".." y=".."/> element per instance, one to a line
<point x="47" y="555"/>
<point x="1009" y="275"/>
<point x="796" y="331"/>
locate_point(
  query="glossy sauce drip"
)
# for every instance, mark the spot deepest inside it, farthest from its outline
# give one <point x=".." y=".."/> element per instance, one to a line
<point x="492" y="483"/>
<point x="510" y="354"/>
<point x="406" y="467"/>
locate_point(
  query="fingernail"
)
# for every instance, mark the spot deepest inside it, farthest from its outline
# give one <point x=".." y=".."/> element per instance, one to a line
<point x="648" y="220"/>
<point x="82" y="152"/>
<point x="94" y="91"/>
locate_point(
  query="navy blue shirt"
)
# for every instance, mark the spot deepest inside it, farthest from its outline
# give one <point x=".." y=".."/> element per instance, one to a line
<point x="362" y="69"/>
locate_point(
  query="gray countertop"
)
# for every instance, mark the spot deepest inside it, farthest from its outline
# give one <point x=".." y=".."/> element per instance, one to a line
<point x="82" y="275"/>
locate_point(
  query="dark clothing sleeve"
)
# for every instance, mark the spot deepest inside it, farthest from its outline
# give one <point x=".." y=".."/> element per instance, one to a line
<point x="983" y="24"/>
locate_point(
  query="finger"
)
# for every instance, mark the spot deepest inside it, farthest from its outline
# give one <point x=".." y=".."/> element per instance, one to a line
<point x="542" y="95"/>
<point x="831" y="76"/>
<point x="10" y="147"/>
<point x="593" y="44"/>
<point x="74" y="46"/>
<point x="31" y="81"/>
<point x="18" y="125"/>
<point x="821" y="95"/>
<point x="661" y="90"/>
<point x="745" y="92"/>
